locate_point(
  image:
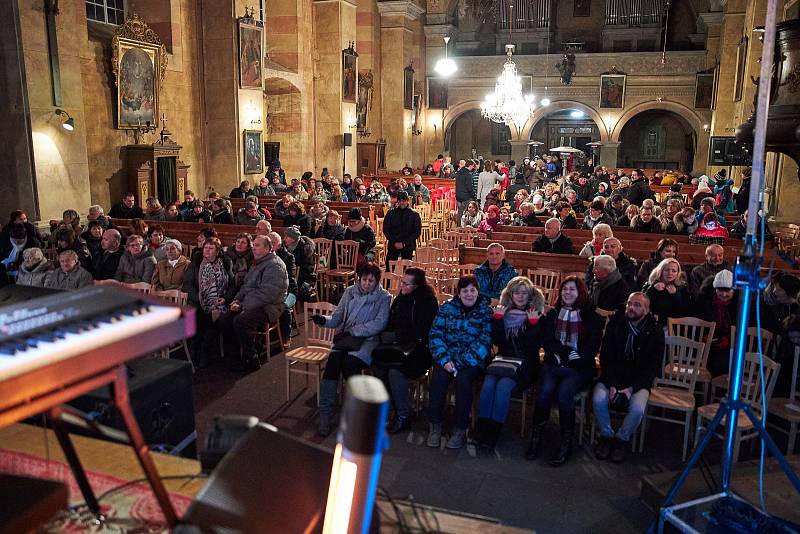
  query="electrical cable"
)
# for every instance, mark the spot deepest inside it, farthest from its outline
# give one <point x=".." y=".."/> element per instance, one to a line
<point x="129" y="483"/>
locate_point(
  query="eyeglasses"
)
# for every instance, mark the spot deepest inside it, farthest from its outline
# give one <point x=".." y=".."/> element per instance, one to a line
<point x="404" y="283"/>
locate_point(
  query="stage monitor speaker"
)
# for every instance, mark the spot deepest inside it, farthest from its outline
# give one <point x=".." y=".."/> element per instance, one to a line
<point x="348" y="139"/>
<point x="162" y="402"/>
<point x="725" y="151"/>
<point x="269" y="482"/>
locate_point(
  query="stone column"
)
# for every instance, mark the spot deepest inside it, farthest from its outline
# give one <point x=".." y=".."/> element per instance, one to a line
<point x="335" y="28"/>
<point x="608" y="154"/>
<point x="396" y="49"/>
<point x="437" y="27"/>
<point x="519" y="151"/>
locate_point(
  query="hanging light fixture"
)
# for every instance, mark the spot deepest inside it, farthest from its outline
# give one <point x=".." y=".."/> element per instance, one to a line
<point x="507" y="104"/>
<point x="446" y="66"/>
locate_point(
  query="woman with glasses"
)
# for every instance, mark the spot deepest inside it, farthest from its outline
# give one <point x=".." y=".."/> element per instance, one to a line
<point x="137" y="263"/>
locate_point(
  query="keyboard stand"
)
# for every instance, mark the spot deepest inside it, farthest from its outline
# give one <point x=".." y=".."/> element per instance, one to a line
<point x="51" y="403"/>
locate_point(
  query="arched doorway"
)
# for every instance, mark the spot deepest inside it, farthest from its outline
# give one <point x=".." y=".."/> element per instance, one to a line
<point x="283" y="124"/>
<point x="565" y="127"/>
<point x="470" y="135"/>
<point x="657" y="139"/>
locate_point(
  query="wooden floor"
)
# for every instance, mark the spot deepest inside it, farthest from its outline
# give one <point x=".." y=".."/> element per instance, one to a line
<point x="118" y="460"/>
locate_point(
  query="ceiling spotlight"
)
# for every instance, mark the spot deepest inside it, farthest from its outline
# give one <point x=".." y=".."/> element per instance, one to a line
<point x="446" y="66"/>
<point x="545" y="101"/>
<point x="68" y="124"/>
<point x="576" y="114"/>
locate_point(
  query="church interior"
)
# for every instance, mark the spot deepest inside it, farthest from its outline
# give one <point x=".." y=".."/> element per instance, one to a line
<point x="174" y="103"/>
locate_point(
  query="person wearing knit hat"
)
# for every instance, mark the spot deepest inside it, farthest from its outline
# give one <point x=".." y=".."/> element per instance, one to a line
<point x="491" y="221"/>
<point x="359" y="230"/>
<point x="292" y="232"/>
<point x="718" y="302"/>
<point x="170" y="271"/>
<point x="723" y="280"/>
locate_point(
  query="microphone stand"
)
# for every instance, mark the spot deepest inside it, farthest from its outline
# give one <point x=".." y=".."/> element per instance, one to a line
<point x="748" y="280"/>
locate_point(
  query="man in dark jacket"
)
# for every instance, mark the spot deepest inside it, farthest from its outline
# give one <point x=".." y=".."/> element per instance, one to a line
<point x="288" y="259"/>
<point x="715" y="262"/>
<point x="402" y="227"/>
<point x="242" y="191"/>
<point x="742" y="198"/>
<point x="302" y="248"/>
<point x="494" y="274"/>
<point x="104" y="265"/>
<point x="630" y="358"/>
<point x="553" y="240"/>
<point x="609" y="291"/>
<point x="259" y="302"/>
<point x="639" y="191"/>
<point x="465" y="190"/>
<point x="646" y="223"/>
<point x="198" y="213"/>
<point x="626" y="265"/>
<point x="127" y="209"/>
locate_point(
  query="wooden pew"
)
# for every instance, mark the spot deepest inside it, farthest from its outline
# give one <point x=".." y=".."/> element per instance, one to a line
<point x="186" y="232"/>
<point x="521" y="260"/>
<point x="370" y="211"/>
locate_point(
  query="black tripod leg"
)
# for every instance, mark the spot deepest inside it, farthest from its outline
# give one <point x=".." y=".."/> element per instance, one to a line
<point x="766" y="438"/>
<point x="74" y="462"/>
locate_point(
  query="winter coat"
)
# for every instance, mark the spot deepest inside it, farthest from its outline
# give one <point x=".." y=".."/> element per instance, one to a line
<point x="36" y="276"/>
<point x="648" y="348"/>
<point x="303" y="253"/>
<point x="410" y="318"/>
<point x="524" y="346"/>
<point x="468" y="221"/>
<point x="301" y="220"/>
<point x="703" y="271"/>
<point x="665" y="304"/>
<point x="363" y="315"/>
<point x="723" y="196"/>
<point x="263" y="191"/>
<point x="422" y="190"/>
<point x="556" y="354"/>
<point x="562" y="245"/>
<point x="92" y="243"/>
<point x="739" y="229"/>
<point x="718" y="231"/>
<point x="121" y="211"/>
<point x="678" y="227"/>
<point x="589" y="223"/>
<point x="589" y="251"/>
<point x="492" y="283"/>
<point x="334" y="233"/>
<point x="104" y="265"/>
<point x="237" y="192"/>
<point x="265" y="286"/>
<point x="280" y="210"/>
<point x="166" y="277"/>
<point x="530" y="220"/>
<point x="133" y="269"/>
<point x="288" y="260"/>
<point x="242" y="218"/>
<point x="366" y="241"/>
<point x="518" y="185"/>
<point x="402" y="225"/>
<point x="570" y="223"/>
<point x="652" y="227"/>
<point x="222" y="217"/>
<point x="610" y="296"/>
<point x="155" y="215"/>
<point x="646" y="268"/>
<point x="240" y="264"/>
<point x="742" y="198"/>
<point x="75" y="279"/>
<point x="486" y="182"/>
<point x="204" y="217"/>
<point x="381" y="197"/>
<point x="462" y="336"/>
<point x="639" y="191"/>
<point x="464" y="188"/>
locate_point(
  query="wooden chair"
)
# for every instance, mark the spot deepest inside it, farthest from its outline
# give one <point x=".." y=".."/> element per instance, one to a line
<point x="346" y="259"/>
<point x="438" y="242"/>
<point x="314" y="353"/>
<point x="675" y="392"/>
<point x="787" y="408"/>
<point x="141" y="287"/>
<point x="720" y="383"/>
<point x="750" y="393"/>
<point x="547" y="282"/>
<point x="426" y="254"/>
<point x="391" y="282"/>
<point x="446" y="289"/>
<point x="700" y="331"/>
<point x="323" y="248"/>
<point x="467" y="268"/>
<point x="399" y="266"/>
<point x="178" y="297"/>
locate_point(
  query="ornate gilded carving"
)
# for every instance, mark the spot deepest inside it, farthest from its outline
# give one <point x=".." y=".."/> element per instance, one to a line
<point x="135" y="29"/>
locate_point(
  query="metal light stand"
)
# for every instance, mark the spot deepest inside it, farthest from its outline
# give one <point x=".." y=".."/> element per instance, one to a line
<point x="747" y="279"/>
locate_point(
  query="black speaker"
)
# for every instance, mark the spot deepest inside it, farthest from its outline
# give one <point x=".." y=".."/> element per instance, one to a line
<point x="348" y="139"/>
<point x="162" y="402"/>
<point x="725" y="151"/>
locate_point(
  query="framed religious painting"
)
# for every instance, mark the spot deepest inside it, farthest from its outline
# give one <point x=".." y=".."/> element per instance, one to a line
<point x="704" y="90"/>
<point x="251" y="50"/>
<point x="253" y="160"/>
<point x="139" y="62"/>
<point x="437" y="93"/>
<point x="408" y="87"/>
<point x="349" y="74"/>
<point x="612" y="91"/>
<point x="581" y="8"/>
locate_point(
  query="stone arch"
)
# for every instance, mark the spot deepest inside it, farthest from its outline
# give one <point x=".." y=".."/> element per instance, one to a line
<point x="285" y="117"/>
<point x="695" y="121"/>
<point x="454" y="112"/>
<point x="543" y="111"/>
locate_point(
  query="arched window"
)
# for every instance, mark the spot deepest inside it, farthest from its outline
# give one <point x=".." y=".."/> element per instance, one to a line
<point x="106" y="11"/>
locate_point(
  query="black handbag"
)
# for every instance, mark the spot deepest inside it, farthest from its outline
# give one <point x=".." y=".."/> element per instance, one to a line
<point x="347" y="342"/>
<point x="620" y="403"/>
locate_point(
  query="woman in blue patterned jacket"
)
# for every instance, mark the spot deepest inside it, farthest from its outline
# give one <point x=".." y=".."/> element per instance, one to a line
<point x="460" y="343"/>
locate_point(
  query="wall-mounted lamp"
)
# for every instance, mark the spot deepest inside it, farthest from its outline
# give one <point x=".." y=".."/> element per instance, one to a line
<point x="68" y="124"/>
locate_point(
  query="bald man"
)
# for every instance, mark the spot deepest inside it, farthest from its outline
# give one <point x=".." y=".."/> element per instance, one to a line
<point x="626" y="265"/>
<point x="630" y="358"/>
<point x="552" y="240"/>
<point x="715" y="262"/>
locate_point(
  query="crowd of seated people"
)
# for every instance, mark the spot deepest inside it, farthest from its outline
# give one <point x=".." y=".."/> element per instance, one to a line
<point x="489" y="333"/>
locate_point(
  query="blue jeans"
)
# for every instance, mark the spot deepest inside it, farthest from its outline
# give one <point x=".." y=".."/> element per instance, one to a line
<point x="560" y="384"/>
<point x="495" y="397"/>
<point x="636" y="408"/>
<point x="440" y="381"/>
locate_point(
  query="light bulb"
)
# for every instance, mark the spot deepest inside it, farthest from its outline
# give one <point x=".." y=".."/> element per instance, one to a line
<point x="545" y="101"/>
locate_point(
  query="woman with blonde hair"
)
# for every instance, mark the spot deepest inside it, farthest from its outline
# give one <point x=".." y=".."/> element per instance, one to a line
<point x="667" y="290"/>
<point x="516" y="334"/>
<point x="595" y="247"/>
<point x="631" y="212"/>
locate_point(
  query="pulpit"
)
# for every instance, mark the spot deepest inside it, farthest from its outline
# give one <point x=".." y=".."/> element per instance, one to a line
<point x="155" y="170"/>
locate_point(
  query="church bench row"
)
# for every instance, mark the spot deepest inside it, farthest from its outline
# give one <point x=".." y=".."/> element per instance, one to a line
<point x="186" y="232"/>
<point x="370" y="211"/>
<point x="621" y="232"/>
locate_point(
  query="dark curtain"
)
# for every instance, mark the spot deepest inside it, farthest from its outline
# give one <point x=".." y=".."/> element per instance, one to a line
<point x="167" y="180"/>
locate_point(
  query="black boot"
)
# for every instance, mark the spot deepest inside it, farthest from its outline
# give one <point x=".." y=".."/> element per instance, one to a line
<point x="536" y="441"/>
<point x="328" y="391"/>
<point x="482" y="429"/>
<point x="492" y="434"/>
<point x="564" y="449"/>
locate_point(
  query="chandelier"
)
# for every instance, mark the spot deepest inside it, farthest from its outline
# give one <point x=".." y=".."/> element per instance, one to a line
<point x="507" y="105"/>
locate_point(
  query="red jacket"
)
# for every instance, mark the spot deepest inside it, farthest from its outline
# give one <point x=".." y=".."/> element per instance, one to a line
<point x="719" y="231"/>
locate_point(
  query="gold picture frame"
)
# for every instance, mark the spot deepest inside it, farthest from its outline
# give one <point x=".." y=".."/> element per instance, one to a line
<point x="612" y="91"/>
<point x="139" y="63"/>
<point x="251" y="52"/>
<point x="252" y="148"/>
